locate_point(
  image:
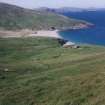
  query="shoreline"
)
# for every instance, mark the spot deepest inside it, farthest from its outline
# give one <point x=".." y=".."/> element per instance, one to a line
<point x="39" y="33"/>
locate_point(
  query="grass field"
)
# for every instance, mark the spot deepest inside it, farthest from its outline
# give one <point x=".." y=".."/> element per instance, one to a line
<point x="38" y="71"/>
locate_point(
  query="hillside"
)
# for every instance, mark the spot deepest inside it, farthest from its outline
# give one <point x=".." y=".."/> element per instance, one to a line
<point x="38" y="71"/>
<point x="14" y="17"/>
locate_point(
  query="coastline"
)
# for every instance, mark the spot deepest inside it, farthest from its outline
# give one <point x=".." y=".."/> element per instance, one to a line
<point x="39" y="33"/>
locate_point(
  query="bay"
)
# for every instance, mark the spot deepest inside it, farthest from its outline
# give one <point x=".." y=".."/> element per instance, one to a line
<point x="93" y="35"/>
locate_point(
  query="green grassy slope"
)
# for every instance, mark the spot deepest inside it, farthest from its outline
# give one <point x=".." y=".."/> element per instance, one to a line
<point x="14" y="17"/>
<point x="40" y="72"/>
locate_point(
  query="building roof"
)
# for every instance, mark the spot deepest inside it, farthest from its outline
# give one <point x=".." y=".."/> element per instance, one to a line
<point x="69" y="43"/>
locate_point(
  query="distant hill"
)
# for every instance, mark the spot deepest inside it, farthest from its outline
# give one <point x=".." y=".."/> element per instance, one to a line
<point x="62" y="10"/>
<point x="70" y="9"/>
<point x="14" y="17"/>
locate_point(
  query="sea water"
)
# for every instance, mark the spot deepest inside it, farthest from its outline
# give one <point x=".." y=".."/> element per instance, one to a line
<point x="92" y="35"/>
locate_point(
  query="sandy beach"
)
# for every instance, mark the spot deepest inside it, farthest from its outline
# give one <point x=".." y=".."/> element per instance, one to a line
<point x="44" y="33"/>
<point x="29" y="33"/>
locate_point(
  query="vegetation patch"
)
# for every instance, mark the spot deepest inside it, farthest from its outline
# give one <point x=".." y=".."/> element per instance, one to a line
<point x="39" y="71"/>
